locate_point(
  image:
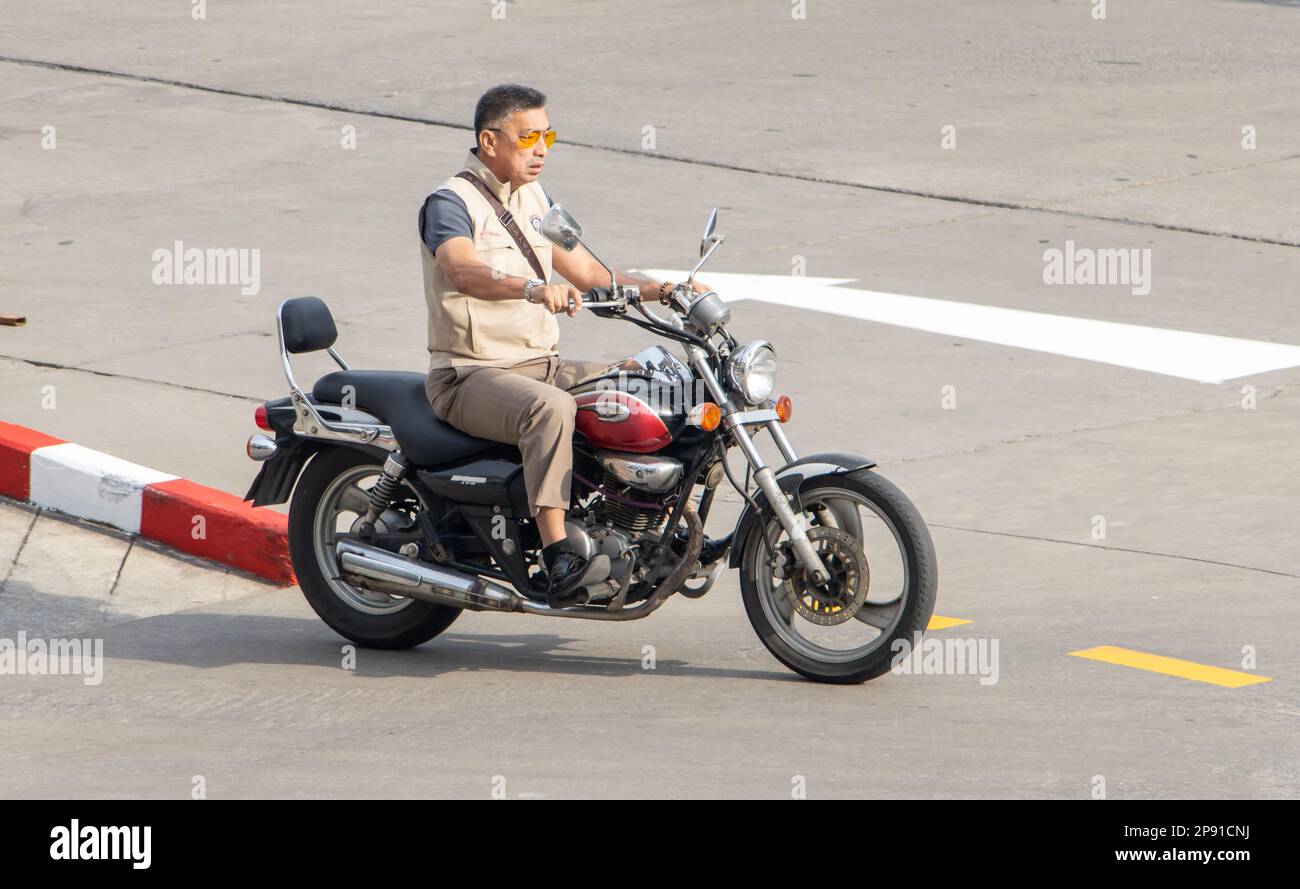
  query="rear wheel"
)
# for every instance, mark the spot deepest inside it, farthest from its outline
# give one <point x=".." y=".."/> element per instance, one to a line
<point x="328" y="503"/>
<point x="882" y="588"/>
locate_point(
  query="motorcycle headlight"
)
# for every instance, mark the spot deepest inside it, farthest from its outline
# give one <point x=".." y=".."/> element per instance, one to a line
<point x="753" y="370"/>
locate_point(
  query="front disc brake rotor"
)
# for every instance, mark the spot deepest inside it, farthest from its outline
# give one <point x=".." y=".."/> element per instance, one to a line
<point x="839" y="598"/>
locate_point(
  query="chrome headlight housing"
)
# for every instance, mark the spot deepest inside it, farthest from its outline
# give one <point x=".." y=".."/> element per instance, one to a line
<point x="752" y="369"/>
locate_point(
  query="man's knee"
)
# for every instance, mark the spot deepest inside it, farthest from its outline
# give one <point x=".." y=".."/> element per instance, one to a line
<point x="562" y="407"/>
<point x="556" y="408"/>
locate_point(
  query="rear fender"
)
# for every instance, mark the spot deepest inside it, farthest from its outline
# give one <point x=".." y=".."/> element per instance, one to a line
<point x="277" y="476"/>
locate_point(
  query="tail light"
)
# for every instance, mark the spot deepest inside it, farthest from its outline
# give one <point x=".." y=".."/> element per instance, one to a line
<point x="261" y="419"/>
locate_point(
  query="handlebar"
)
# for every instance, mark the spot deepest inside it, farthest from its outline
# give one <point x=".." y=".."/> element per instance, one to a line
<point x="602" y="298"/>
<point x="603" y="305"/>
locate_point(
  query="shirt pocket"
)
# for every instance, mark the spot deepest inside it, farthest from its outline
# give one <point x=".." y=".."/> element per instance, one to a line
<point x="545" y="332"/>
<point x="455" y="326"/>
<point x="473" y="328"/>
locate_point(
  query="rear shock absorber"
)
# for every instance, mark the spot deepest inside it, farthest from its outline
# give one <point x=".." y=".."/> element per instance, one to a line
<point x="382" y="494"/>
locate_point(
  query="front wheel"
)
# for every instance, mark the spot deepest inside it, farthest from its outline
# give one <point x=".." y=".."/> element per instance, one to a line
<point x="328" y="504"/>
<point x="882" y="589"/>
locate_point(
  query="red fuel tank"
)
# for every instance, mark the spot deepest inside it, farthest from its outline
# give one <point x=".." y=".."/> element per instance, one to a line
<point x="620" y="421"/>
<point x="637" y="411"/>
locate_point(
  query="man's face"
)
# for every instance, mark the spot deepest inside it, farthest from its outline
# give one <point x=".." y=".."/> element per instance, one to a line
<point x="505" y="158"/>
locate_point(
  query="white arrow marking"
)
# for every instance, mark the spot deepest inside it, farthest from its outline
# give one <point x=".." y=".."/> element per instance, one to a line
<point x="1203" y="357"/>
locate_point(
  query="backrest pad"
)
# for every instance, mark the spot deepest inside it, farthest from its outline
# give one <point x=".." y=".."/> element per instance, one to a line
<point x="308" y="324"/>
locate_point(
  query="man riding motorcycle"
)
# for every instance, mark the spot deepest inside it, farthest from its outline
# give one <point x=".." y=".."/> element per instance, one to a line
<point x="578" y="484"/>
<point x="494" y="368"/>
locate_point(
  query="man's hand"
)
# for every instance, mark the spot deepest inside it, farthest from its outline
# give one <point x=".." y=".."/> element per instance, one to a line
<point x="559" y="298"/>
<point x="667" y="287"/>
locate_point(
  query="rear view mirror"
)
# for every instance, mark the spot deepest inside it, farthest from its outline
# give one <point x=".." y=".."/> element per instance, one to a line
<point x="560" y="228"/>
<point x="709" y="229"/>
<point x="711" y="241"/>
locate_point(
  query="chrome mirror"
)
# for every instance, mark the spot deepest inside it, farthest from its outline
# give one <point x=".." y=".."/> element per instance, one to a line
<point x="560" y="228"/>
<point x="711" y="242"/>
<point x="709" y="231"/>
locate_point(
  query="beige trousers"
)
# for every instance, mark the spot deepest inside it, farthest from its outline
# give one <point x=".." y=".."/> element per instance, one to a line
<point x="526" y="405"/>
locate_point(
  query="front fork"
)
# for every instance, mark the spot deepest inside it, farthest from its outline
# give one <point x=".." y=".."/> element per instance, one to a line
<point x="763" y="475"/>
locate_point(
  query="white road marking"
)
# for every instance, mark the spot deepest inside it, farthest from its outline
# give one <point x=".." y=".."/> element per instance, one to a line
<point x="1203" y="357"/>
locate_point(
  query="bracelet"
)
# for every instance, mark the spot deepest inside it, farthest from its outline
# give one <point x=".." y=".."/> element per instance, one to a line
<point x="664" y="289"/>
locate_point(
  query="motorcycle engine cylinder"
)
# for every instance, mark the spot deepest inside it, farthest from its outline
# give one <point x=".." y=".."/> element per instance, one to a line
<point x="627" y="508"/>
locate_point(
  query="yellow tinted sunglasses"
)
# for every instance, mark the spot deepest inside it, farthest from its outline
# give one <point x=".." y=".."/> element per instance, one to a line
<point x="529" y="139"/>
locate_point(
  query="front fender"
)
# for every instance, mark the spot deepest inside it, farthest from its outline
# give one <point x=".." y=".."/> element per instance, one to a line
<point x="791" y="478"/>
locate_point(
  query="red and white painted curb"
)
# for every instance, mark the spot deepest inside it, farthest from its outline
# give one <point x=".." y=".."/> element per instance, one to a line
<point x="56" y="474"/>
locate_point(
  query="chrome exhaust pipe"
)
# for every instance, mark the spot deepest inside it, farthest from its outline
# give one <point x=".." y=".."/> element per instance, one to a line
<point x="372" y="568"/>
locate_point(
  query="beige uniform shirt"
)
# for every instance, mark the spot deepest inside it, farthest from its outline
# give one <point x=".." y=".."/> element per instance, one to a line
<point x="466" y="330"/>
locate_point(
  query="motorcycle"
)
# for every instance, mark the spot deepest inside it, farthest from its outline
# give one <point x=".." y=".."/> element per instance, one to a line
<point x="400" y="522"/>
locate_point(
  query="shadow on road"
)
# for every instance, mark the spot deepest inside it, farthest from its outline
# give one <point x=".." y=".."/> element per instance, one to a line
<point x="206" y="640"/>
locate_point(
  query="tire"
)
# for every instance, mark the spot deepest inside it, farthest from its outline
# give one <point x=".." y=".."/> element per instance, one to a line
<point x="917" y="601"/>
<point x="411" y="624"/>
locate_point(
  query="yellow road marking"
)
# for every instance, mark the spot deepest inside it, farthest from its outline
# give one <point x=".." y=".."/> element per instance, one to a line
<point x="1170" y="666"/>
<point x="939" y="622"/>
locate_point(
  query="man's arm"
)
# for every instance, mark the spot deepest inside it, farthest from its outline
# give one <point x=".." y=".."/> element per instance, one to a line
<point x="460" y="263"/>
<point x="581" y="268"/>
<point x="447" y="231"/>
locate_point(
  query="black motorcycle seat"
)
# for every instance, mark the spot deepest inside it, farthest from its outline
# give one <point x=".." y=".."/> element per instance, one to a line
<point x="398" y="398"/>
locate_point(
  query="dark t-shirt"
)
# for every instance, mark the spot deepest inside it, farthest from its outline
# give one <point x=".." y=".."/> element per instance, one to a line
<point x="444" y="215"/>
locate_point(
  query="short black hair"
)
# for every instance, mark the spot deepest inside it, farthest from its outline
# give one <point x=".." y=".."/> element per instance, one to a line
<point x="503" y="100"/>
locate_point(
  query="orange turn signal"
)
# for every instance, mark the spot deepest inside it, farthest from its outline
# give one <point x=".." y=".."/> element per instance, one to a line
<point x="784" y="408"/>
<point x="706" y="415"/>
<point x="710" y="417"/>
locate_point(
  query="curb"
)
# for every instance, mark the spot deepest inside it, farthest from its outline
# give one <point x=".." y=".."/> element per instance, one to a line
<point x="176" y="512"/>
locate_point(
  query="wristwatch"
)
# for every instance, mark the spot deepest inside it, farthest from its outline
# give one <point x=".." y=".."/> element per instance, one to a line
<point x="528" y="288"/>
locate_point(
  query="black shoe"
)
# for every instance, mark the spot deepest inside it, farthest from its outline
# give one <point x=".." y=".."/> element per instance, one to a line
<point x="568" y="573"/>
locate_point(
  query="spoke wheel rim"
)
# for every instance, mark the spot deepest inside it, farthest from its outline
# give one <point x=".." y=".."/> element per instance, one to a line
<point x="345" y="496"/>
<point x="883" y="616"/>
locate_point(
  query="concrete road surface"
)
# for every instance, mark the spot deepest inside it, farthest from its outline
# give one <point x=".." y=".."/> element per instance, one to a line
<point x="924" y="149"/>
